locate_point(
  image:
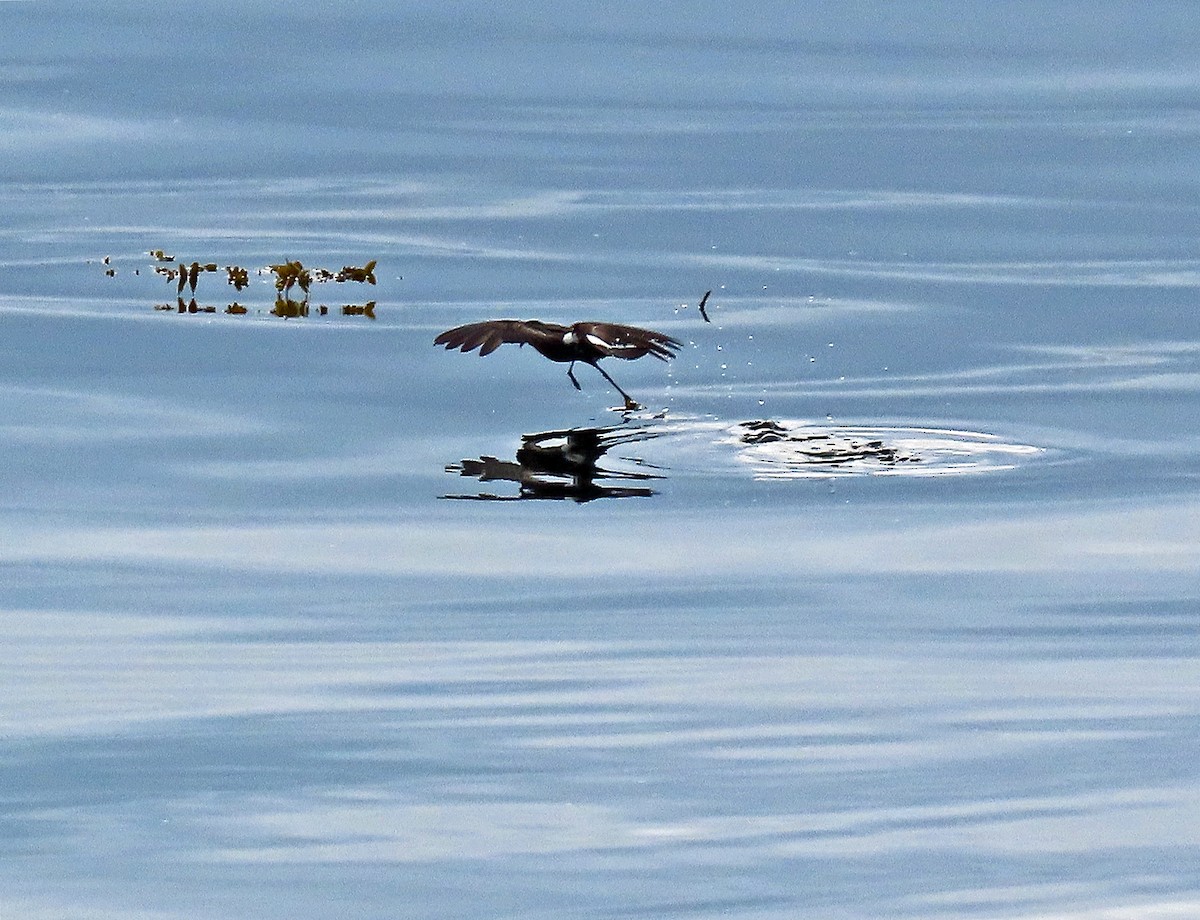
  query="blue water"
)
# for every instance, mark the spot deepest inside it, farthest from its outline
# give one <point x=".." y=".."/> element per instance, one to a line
<point x="887" y="604"/>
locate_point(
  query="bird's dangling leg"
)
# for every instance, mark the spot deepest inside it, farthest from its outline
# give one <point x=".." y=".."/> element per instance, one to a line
<point x="630" y="403"/>
<point x="571" y="375"/>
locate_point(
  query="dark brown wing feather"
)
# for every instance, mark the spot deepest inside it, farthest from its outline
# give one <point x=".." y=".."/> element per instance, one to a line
<point x="629" y="342"/>
<point x="491" y="334"/>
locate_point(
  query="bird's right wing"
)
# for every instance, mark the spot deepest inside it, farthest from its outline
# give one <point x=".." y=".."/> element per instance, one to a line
<point x="490" y="335"/>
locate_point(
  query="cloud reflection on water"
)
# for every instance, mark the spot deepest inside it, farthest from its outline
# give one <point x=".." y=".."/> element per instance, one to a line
<point x="620" y="759"/>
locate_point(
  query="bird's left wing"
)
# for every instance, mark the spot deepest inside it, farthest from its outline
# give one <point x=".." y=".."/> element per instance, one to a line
<point x="628" y="342"/>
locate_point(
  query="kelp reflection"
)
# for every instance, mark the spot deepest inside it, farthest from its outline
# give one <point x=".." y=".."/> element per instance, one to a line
<point x="284" y="307"/>
<point x="291" y="309"/>
<point x="562" y="465"/>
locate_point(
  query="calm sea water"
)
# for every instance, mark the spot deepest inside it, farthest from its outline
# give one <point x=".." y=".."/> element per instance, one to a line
<point x="886" y="605"/>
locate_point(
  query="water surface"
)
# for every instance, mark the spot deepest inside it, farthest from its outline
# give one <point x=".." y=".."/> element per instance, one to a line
<point x="885" y="605"/>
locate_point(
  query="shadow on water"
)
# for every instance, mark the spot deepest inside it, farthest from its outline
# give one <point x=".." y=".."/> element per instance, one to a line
<point x="819" y="447"/>
<point x="798" y="450"/>
<point x="562" y="465"/>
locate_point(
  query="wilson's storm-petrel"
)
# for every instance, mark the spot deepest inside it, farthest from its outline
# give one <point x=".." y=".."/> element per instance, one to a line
<point x="586" y="342"/>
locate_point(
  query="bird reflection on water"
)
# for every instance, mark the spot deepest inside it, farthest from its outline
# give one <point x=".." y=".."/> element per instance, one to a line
<point x="563" y="465"/>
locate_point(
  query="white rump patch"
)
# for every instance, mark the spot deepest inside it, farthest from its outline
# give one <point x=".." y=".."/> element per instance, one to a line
<point x="569" y="338"/>
<point x="611" y="346"/>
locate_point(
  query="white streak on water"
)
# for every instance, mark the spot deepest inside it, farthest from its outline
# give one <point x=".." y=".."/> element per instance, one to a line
<point x="49" y="415"/>
<point x="1148" y="537"/>
<point x="375" y="831"/>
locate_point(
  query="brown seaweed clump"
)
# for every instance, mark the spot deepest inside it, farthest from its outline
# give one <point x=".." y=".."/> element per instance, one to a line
<point x="289" y="275"/>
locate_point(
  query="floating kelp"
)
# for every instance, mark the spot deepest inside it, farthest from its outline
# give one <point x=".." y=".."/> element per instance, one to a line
<point x="364" y="275"/>
<point x="238" y="277"/>
<point x="294" y="274"/>
<point x="288" y="276"/>
<point x="185" y="275"/>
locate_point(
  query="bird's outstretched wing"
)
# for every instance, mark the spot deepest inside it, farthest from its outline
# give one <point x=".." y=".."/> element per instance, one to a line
<point x="627" y="342"/>
<point x="491" y="334"/>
